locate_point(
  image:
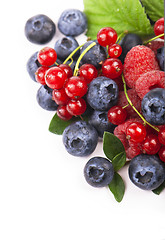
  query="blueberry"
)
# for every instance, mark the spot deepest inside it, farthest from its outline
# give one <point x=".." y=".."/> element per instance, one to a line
<point x="129" y="41"/>
<point x="65" y="46"/>
<point x="160" y="57"/>
<point x="102" y="93"/>
<point x="95" y="56"/>
<point x="98" y="172"/>
<point x="153" y="106"/>
<point x="99" y="120"/>
<point x="44" y="98"/>
<point x="72" y="22"/>
<point x="80" y="138"/>
<point x="32" y="66"/>
<point x="147" y="171"/>
<point x="39" y="29"/>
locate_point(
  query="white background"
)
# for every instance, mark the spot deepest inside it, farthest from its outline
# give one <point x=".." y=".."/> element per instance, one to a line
<point x="43" y="193"/>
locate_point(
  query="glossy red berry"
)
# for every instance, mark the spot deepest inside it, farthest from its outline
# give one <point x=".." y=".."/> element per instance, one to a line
<point x="67" y="69"/>
<point x="76" y="87"/>
<point x="151" y="144"/>
<point x="117" y="115"/>
<point x="161" y="136"/>
<point x="136" y="132"/>
<point x="40" y="74"/>
<point x="88" y="72"/>
<point x="112" y="68"/>
<point x="159" y="27"/>
<point x="63" y="113"/>
<point x="47" y="56"/>
<point x="55" y="78"/>
<point x="161" y="153"/>
<point x="114" y="50"/>
<point x="60" y="96"/>
<point x="106" y="36"/>
<point x="76" y="107"/>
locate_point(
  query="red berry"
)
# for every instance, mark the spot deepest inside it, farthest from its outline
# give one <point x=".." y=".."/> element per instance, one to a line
<point x="114" y="50"/>
<point x="60" y="96"/>
<point x="106" y="36"/>
<point x="67" y="69"/>
<point x="40" y="74"/>
<point x="151" y="144"/>
<point x="88" y="72"/>
<point x="47" y="56"/>
<point x="161" y="136"/>
<point x="55" y="78"/>
<point x="161" y="153"/>
<point x="63" y="113"/>
<point x="117" y="115"/>
<point x="76" y="107"/>
<point x="159" y="27"/>
<point x="76" y="87"/>
<point x="136" y="132"/>
<point x="112" y="68"/>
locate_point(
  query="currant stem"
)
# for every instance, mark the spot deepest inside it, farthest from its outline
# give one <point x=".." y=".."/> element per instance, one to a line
<point x="81" y="56"/>
<point x="71" y="55"/>
<point x="152" y="39"/>
<point x="129" y="101"/>
<point x="121" y="36"/>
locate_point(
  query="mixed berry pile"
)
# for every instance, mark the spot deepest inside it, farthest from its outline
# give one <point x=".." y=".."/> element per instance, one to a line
<point x="109" y="88"/>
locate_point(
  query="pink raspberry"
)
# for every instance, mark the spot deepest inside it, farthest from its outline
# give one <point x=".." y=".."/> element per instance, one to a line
<point x="136" y="101"/>
<point x="140" y="59"/>
<point x="154" y="45"/>
<point x="148" y="81"/>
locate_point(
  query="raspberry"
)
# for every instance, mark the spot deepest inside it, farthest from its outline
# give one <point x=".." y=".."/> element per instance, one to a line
<point x="136" y="101"/>
<point x="154" y="45"/>
<point x="148" y="81"/>
<point x="140" y="59"/>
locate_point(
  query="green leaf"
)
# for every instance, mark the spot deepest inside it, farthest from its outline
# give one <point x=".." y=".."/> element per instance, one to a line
<point x="117" y="187"/>
<point x="159" y="189"/>
<point x="119" y="14"/>
<point x="154" y="8"/>
<point x="119" y="161"/>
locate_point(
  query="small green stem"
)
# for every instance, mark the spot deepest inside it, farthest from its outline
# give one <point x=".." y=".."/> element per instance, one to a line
<point x="129" y="101"/>
<point x="152" y="39"/>
<point x="71" y="55"/>
<point x="81" y="56"/>
<point x="121" y="36"/>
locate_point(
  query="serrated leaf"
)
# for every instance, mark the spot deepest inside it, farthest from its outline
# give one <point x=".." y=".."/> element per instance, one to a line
<point x="121" y="15"/>
<point x="117" y="187"/>
<point x="154" y="8"/>
<point x="159" y="189"/>
<point x="119" y="161"/>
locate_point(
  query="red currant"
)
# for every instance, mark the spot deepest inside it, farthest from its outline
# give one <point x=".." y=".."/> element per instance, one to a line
<point x="55" y="78"/>
<point x="88" y="72"/>
<point x="161" y="153"/>
<point x="60" y="96"/>
<point x="114" y="50"/>
<point x="161" y="136"/>
<point x="106" y="36"/>
<point x="76" y="87"/>
<point x="136" y="132"/>
<point x="159" y="27"/>
<point x="112" y="68"/>
<point x="117" y="115"/>
<point x="76" y="107"/>
<point x="67" y="70"/>
<point x="47" y="56"/>
<point x="63" y="113"/>
<point x="151" y="144"/>
<point x="40" y="74"/>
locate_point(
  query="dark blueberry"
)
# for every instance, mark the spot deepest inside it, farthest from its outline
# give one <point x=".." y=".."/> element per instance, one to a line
<point x="100" y="121"/>
<point x="95" y="56"/>
<point x="44" y="98"/>
<point x="80" y="138"/>
<point x="153" y="106"/>
<point x="65" y="46"/>
<point x="72" y="22"/>
<point x="32" y="65"/>
<point x="160" y="57"/>
<point x="147" y="171"/>
<point x="129" y="41"/>
<point x="102" y="93"/>
<point x="98" y="172"/>
<point x="39" y="29"/>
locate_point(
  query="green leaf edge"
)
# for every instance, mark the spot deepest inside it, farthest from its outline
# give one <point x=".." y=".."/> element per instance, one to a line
<point x="158" y="190"/>
<point x="117" y="187"/>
